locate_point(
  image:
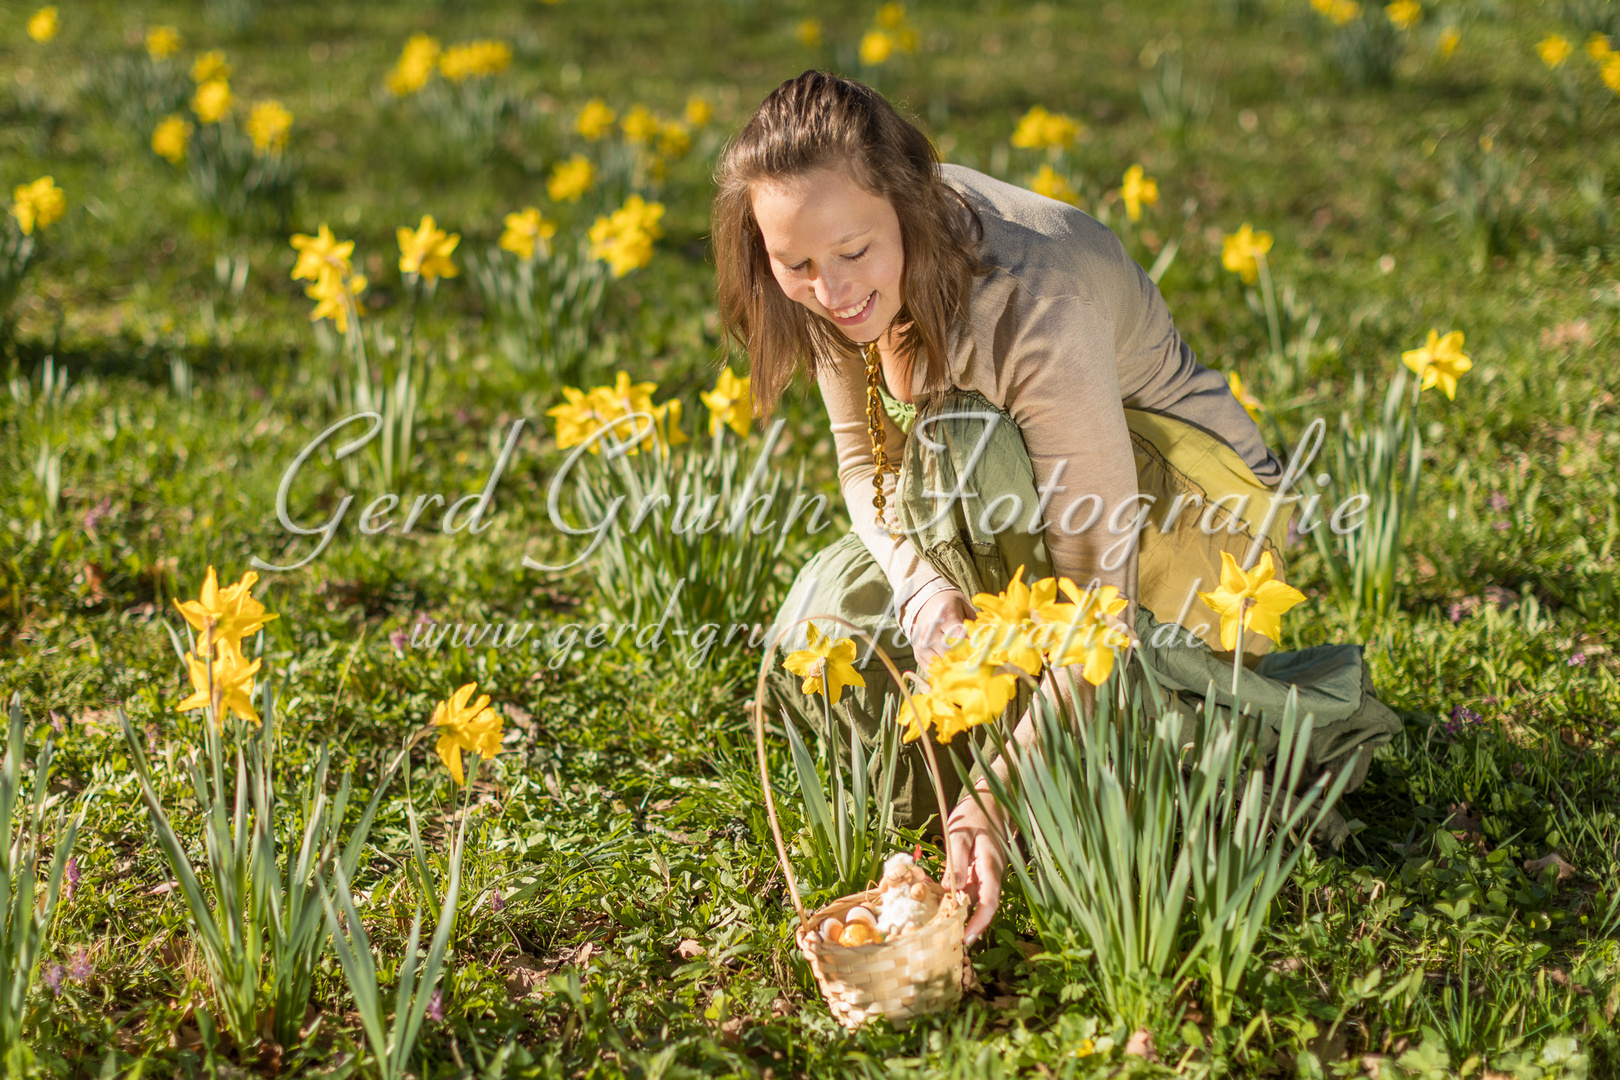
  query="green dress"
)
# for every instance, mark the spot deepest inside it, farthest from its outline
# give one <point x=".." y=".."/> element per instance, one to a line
<point x="1172" y="458"/>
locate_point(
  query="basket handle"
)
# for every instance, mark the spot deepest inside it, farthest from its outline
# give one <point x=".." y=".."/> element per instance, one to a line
<point x="764" y="772"/>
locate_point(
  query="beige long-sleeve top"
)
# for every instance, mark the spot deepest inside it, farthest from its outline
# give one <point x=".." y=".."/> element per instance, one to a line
<point x="1064" y="333"/>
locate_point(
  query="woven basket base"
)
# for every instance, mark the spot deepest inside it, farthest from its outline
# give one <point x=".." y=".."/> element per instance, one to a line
<point x="917" y="973"/>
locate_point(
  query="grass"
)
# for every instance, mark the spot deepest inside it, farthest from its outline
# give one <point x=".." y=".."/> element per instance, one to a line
<point x="622" y="820"/>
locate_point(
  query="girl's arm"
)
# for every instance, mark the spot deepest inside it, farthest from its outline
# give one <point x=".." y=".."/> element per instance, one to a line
<point x="912" y="578"/>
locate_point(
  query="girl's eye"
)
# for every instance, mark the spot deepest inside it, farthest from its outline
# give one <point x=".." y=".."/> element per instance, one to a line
<point x="859" y="254"/>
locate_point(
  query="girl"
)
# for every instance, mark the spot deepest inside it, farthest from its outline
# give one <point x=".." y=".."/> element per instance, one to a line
<point x="1006" y="389"/>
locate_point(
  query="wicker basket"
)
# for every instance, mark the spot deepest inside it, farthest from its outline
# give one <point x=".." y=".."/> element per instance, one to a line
<point x="918" y="972"/>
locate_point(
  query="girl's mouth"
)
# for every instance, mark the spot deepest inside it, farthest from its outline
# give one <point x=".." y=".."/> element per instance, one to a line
<point x="849" y="316"/>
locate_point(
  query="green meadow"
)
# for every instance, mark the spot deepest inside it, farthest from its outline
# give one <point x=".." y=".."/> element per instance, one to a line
<point x="619" y="909"/>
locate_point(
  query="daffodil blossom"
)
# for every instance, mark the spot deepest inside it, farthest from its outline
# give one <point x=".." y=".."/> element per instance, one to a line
<point x="1250" y="600"/>
<point x="468" y="725"/>
<point x="827" y="661"/>
<point x="1439" y="362"/>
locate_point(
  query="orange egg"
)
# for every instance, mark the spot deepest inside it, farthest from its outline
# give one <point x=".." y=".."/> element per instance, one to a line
<point x="860" y="933"/>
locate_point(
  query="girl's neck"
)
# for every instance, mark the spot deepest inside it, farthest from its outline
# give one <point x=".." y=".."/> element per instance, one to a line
<point x="896" y="365"/>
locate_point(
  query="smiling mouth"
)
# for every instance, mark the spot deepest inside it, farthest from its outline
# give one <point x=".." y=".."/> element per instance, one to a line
<point x="850" y="314"/>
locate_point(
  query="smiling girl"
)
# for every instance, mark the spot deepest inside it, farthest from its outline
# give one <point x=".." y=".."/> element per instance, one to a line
<point x="997" y="352"/>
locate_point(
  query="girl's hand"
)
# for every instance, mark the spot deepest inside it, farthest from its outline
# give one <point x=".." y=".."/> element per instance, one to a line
<point x="938" y="626"/>
<point x="978" y="859"/>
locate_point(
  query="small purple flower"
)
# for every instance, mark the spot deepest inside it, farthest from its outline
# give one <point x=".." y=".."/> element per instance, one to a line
<point x="1455" y="612"/>
<point x="1498" y="501"/>
<point x="497" y="902"/>
<point x="70" y="879"/>
<point x="1501" y="526"/>
<point x="57" y="724"/>
<point x="398" y="639"/>
<point x="53" y="977"/>
<point x="1462" y="714"/>
<point x="1293" y="532"/>
<point x="1577" y="659"/>
<point x="80" y="971"/>
<point x="435" y="1009"/>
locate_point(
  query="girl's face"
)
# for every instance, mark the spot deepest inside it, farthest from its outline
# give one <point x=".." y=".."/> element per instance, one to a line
<point x="834" y="247"/>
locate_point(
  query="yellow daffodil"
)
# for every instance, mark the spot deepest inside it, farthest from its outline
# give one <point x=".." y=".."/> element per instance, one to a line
<point x="417" y="62"/>
<point x="525" y="231"/>
<point x="1047" y="182"/>
<point x="1598" y="47"/>
<point x="1080" y="631"/>
<point x="923" y="711"/>
<point x="1609" y="72"/>
<point x="1010" y="608"/>
<point x="231" y="689"/>
<point x="1250" y="600"/>
<point x="268" y="125"/>
<point x="224" y="616"/>
<point x="162" y="42"/>
<point x="468" y="725"/>
<point x="1041" y="130"/>
<point x="580" y="418"/>
<point x="890" y="16"/>
<point x="1342" y="12"/>
<point x="1404" y="14"/>
<point x="1242" y="251"/>
<point x="698" y="112"/>
<point x="335" y="293"/>
<point x="570" y="179"/>
<point x="1003" y="630"/>
<point x="876" y="47"/>
<point x="1137" y="191"/>
<point x="808" y="32"/>
<point x="595" y="119"/>
<point x="212" y="101"/>
<point x="639" y="124"/>
<point x="1448" y="41"/>
<point x="43" y="24"/>
<point x="1250" y="403"/>
<point x="169" y="138"/>
<point x="39" y="204"/>
<point x="320" y="253"/>
<point x="474" y="59"/>
<point x="629" y="398"/>
<point x="1554" y="49"/>
<point x="730" y="404"/>
<point x="667" y="423"/>
<point x="973" y="694"/>
<point x="426" y="250"/>
<point x="624" y="239"/>
<point x="826" y="661"/>
<point x="584" y="414"/>
<point x="1439" y="361"/>
<point x="210" y="66"/>
<point x="674" y="140"/>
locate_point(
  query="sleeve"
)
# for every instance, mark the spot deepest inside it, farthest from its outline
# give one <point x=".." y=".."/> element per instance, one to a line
<point x="912" y="578"/>
<point x="1063" y="392"/>
<point x="1159" y="374"/>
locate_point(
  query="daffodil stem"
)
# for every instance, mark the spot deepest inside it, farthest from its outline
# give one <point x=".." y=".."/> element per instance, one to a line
<point x="1237" y="665"/>
<point x="1269" y="295"/>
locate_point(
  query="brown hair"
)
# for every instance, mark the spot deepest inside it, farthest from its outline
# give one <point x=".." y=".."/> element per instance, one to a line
<point x="816" y="121"/>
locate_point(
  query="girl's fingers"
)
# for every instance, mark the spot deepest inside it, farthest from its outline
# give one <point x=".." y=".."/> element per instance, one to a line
<point x="987" y="874"/>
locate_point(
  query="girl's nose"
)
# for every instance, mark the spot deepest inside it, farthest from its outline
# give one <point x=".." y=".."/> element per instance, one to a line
<point x="831" y="293"/>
